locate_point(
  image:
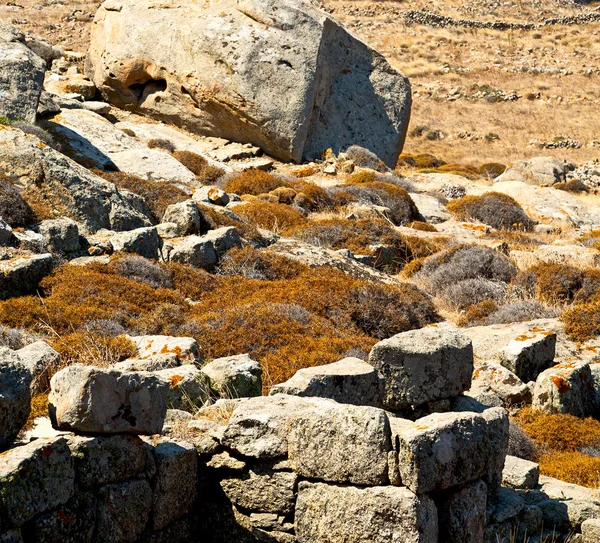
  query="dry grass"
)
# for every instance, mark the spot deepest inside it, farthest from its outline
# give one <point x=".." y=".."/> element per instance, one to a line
<point x="199" y="166"/>
<point x="39" y="408"/>
<point x="275" y="217"/>
<point x="253" y="182"/>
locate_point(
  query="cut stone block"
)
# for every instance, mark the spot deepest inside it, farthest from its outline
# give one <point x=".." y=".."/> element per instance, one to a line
<point x="425" y="365"/>
<point x="519" y="473"/>
<point x="15" y="396"/>
<point x="500" y="381"/>
<point x="236" y="376"/>
<point x="462" y="514"/>
<point x="350" y="381"/>
<point x="445" y="450"/>
<point x="529" y="354"/>
<point x="95" y="400"/>
<point x="328" y="513"/>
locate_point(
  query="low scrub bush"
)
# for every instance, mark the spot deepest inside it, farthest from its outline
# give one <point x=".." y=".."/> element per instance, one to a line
<point x="253" y="182"/>
<point x="475" y="314"/>
<point x="582" y="321"/>
<point x="16" y="339"/>
<point x="550" y="283"/>
<point x="591" y="239"/>
<point x="274" y="217"/>
<point x="520" y="312"/>
<point x="402" y="208"/>
<point x="13" y="208"/>
<point x="572" y="467"/>
<point x="493" y="208"/>
<point x="254" y="264"/>
<point x="161" y="143"/>
<point x="464" y="293"/>
<point x="519" y="443"/>
<point x="364" y="158"/>
<point x="91" y="349"/>
<point x="198" y="165"/>
<point x="422" y="226"/>
<point x="314" y="198"/>
<point x="420" y="161"/>
<point x="464" y="170"/>
<point x="464" y="262"/>
<point x="575" y="185"/>
<point x="491" y="169"/>
<point x="141" y="269"/>
<point x="157" y="195"/>
<point x="214" y="219"/>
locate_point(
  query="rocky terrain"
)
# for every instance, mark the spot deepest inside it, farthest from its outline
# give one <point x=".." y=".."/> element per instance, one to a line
<point x="259" y="285"/>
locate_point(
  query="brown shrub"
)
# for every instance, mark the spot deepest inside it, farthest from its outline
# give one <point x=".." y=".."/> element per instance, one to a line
<point x="420" y="161"/>
<point x="254" y="264"/>
<point x="13" y="208"/>
<point x="572" y="467"/>
<point x="91" y="349"/>
<point x="39" y="408"/>
<point x="464" y="170"/>
<point x="491" y="169"/>
<point x="496" y="209"/>
<point x="49" y="200"/>
<point x="422" y="226"/>
<point x="559" y="432"/>
<point x="549" y="283"/>
<point x="316" y="198"/>
<point x="192" y="161"/>
<point x="253" y="182"/>
<point x="274" y="217"/>
<point x="574" y="185"/>
<point x="157" y="195"/>
<point x="161" y="143"/>
<point x="476" y="313"/>
<point x="582" y="321"/>
<point x="402" y="208"/>
<point x="215" y="220"/>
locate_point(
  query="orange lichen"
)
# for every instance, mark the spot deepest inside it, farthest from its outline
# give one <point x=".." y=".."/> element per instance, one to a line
<point x="175" y="380"/>
<point x="561" y="383"/>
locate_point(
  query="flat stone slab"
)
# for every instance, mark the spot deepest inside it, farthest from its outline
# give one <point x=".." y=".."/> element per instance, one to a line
<point x="519" y="473"/>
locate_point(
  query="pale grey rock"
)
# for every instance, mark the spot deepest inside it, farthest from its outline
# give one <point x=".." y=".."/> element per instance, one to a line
<point x="70" y="84"/>
<point x="225" y="461"/>
<point x="96" y="139"/>
<point x="101" y="108"/>
<point x="519" y="473"/>
<point x="530" y="521"/>
<point x="490" y="377"/>
<point x="102" y="460"/>
<point x="263" y="490"/>
<point x="212" y="195"/>
<point x="21" y="77"/>
<point x="15" y="396"/>
<point x="445" y="450"/>
<point x="237" y="376"/>
<point x="419" y="366"/>
<point x="123" y="510"/>
<point x="300" y="100"/>
<point x="462" y="514"/>
<point x="350" y="381"/>
<point x="505" y="504"/>
<point x="96" y="400"/>
<point x="540" y="171"/>
<point x="566" y="388"/>
<point x="142" y="241"/>
<point x="167" y="230"/>
<point x="223" y="239"/>
<point x="185" y="349"/>
<point x="567" y="505"/>
<point x="430" y="208"/>
<point x="369" y="515"/>
<point x="195" y="251"/>
<point x="590" y="531"/>
<point x="62" y="235"/>
<point x="93" y="202"/>
<point x="38" y="357"/>
<point x="34" y="478"/>
<point x="29" y="240"/>
<point x="186" y="216"/>
<point x="189" y="387"/>
<point x="6" y="234"/>
<point x="175" y="487"/>
<point x="529" y="354"/>
<point x="340" y="443"/>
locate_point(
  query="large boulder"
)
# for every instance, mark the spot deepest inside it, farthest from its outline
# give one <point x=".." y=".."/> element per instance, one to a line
<point x="94" y="400"/>
<point x="328" y="513"/>
<point x="542" y="171"/>
<point x="235" y="376"/>
<point x="21" y="76"/>
<point x="425" y="365"/>
<point x="277" y="73"/>
<point x="65" y="186"/>
<point x="529" y="354"/>
<point x="21" y="275"/>
<point x="15" y="379"/>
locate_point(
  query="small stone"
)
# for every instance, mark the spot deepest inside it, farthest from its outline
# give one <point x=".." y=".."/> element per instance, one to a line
<point x="195" y="251"/>
<point x="142" y="241"/>
<point x="223" y="239"/>
<point x="186" y="216"/>
<point x="590" y="530"/>
<point x="519" y="473"/>
<point x="234" y="376"/>
<point x="225" y="461"/>
<point x="529" y="354"/>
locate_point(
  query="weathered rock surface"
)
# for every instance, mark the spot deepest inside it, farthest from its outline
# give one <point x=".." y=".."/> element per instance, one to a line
<point x="289" y="104"/>
<point x="190" y="387"/>
<point x="186" y="216"/>
<point x="182" y="350"/>
<point x="590" y="530"/>
<point x="67" y="186"/>
<point x="566" y="388"/>
<point x="21" y="76"/>
<point x="6" y="234"/>
<point x="195" y="251"/>
<point x="462" y="514"/>
<point x="350" y="381"/>
<point x="505" y="504"/>
<point x="21" y="275"/>
<point x="89" y="399"/>
<point x="38" y="357"/>
<point x="529" y="354"/>
<point x="234" y="376"/>
<point x="370" y="515"/>
<point x="445" y="450"/>
<point x="62" y="235"/>
<point x="93" y="138"/>
<point x="223" y="239"/>
<point x="142" y="241"/>
<point x="263" y="489"/>
<point x="425" y="365"/>
<point x="541" y="171"/>
<point x="490" y="377"/>
<point x="15" y="395"/>
<point x="519" y="473"/>
<point x="34" y="478"/>
<point x="340" y="443"/>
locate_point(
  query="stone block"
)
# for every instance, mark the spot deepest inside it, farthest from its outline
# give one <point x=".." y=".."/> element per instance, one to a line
<point x="529" y="354"/>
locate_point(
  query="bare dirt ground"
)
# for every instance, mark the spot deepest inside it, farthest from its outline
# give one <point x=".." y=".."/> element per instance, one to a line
<point x="480" y="95"/>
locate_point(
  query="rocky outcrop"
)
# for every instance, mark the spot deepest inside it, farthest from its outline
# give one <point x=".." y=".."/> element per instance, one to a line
<point x="279" y="74"/>
<point x="21" y="76"/>
<point x="15" y="395"/>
